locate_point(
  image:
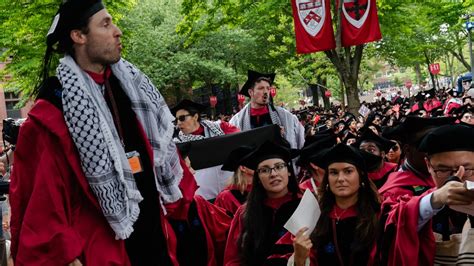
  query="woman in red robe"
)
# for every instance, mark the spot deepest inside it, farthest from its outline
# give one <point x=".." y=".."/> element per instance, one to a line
<point x="258" y="224"/>
<point x="347" y="228"/>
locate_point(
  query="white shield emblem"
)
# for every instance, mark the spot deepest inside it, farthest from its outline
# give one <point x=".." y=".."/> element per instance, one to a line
<point x="312" y="15"/>
<point x="356" y="11"/>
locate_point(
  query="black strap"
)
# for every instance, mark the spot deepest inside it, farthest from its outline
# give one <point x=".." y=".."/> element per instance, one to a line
<point x="241" y="198"/>
<point x="334" y="238"/>
<point x="452" y="178"/>
<point x="115" y="111"/>
<point x="51" y="91"/>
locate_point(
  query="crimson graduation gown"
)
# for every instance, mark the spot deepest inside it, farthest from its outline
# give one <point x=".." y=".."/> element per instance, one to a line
<point x="231" y="199"/>
<point x="281" y="210"/>
<point x="48" y="173"/>
<point x="405" y="182"/>
<point x="380" y="177"/>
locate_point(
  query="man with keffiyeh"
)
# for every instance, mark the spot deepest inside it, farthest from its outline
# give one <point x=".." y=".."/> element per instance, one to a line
<point x="260" y="111"/>
<point x="96" y="169"/>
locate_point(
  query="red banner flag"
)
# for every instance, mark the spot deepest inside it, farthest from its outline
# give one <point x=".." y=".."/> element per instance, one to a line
<point x="360" y="22"/>
<point x="313" y="26"/>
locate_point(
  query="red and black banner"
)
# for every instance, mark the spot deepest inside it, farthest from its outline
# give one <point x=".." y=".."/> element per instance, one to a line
<point x="313" y="26"/>
<point x="360" y="23"/>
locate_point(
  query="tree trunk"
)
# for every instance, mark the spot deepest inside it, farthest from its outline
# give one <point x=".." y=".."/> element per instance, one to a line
<point x="460" y="57"/>
<point x="315" y="90"/>
<point x="449" y="66"/>
<point x="347" y="61"/>
<point x="348" y="65"/>
<point x="428" y="62"/>
<point x="227" y="99"/>
<point x="418" y="73"/>
<point x="342" y="93"/>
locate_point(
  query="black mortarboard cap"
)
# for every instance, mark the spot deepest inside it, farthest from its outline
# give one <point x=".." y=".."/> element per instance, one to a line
<point x="459" y="112"/>
<point x="268" y="150"/>
<point x="448" y="138"/>
<point x="369" y="136"/>
<point x="236" y="157"/>
<point x="184" y="149"/>
<point x="430" y="93"/>
<point x="372" y="161"/>
<point x="339" y="123"/>
<point x="214" y="151"/>
<point x="252" y="76"/>
<point x="71" y="15"/>
<point x="342" y="153"/>
<point x="188" y="105"/>
<point x="325" y="132"/>
<point x="454" y="92"/>
<point x="349" y="136"/>
<point x="314" y="151"/>
<point x="414" y="128"/>
<point x="437" y="112"/>
<point x="420" y="96"/>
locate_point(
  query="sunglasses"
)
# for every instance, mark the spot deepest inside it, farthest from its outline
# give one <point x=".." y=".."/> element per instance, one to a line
<point x="182" y="117"/>
<point x="395" y="148"/>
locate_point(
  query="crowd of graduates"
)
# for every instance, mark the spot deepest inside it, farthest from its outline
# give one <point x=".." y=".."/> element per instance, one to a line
<point x="375" y="178"/>
<point x="106" y="173"/>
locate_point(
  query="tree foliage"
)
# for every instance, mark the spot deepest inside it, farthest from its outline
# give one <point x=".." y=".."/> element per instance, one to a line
<point x="419" y="33"/>
<point x="23" y="28"/>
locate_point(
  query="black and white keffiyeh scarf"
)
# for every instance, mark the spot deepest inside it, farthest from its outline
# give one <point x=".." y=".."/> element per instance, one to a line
<point x="246" y="124"/>
<point x="211" y="129"/>
<point x="102" y="155"/>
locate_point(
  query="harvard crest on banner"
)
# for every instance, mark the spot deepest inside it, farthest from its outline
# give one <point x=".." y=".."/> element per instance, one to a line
<point x="313" y="25"/>
<point x="360" y="23"/>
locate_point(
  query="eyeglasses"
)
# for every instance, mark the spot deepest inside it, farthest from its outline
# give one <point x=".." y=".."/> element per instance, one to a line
<point x="267" y="171"/>
<point x="183" y="117"/>
<point x="395" y="148"/>
<point x="444" y="173"/>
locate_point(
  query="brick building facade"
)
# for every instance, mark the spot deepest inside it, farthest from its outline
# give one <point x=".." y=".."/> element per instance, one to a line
<point x="8" y="101"/>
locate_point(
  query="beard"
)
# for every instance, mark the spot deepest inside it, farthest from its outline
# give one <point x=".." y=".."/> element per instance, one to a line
<point x="103" y="55"/>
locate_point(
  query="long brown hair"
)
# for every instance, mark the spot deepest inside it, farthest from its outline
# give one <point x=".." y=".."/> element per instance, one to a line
<point x="256" y="230"/>
<point x="368" y="206"/>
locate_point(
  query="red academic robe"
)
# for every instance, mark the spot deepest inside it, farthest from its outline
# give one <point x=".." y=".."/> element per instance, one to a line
<point x="406" y="246"/>
<point x="231" y="255"/>
<point x="380" y="177"/>
<point x="215" y="223"/>
<point x="404" y="182"/>
<point x="48" y="173"/>
<point x="225" y="126"/>
<point x="307" y="184"/>
<point x="284" y="246"/>
<point x="227" y="199"/>
<point x="229" y="128"/>
<point x="214" y="220"/>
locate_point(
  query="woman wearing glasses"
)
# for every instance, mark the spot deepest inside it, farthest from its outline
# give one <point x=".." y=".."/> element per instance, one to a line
<point x="258" y="224"/>
<point x="347" y="229"/>
<point x="192" y="127"/>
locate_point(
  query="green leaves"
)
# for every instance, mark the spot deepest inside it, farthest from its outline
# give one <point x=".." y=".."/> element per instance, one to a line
<point x="23" y="28"/>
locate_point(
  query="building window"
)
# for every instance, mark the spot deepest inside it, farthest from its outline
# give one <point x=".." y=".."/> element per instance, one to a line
<point x="12" y="99"/>
<point x="11" y="96"/>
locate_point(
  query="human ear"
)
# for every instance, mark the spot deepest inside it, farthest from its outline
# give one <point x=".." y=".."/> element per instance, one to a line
<point x="78" y="37"/>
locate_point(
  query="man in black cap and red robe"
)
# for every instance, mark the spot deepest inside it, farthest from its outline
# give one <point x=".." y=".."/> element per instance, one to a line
<point x="413" y="177"/>
<point x="426" y="229"/>
<point x="377" y="146"/>
<point x="96" y="170"/>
